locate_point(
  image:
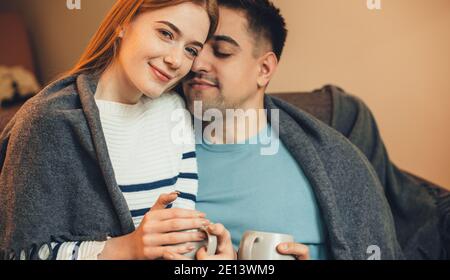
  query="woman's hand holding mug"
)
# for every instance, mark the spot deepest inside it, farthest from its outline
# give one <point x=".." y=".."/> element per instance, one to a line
<point x="161" y="231"/>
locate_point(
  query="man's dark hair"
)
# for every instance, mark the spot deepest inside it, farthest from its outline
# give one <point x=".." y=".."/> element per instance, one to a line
<point x="264" y="20"/>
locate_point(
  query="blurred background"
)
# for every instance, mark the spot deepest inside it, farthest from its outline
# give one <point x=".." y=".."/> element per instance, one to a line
<point x="396" y="59"/>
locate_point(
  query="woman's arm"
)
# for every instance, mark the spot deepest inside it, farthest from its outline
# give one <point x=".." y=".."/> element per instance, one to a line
<point x="157" y="234"/>
<point x="81" y="250"/>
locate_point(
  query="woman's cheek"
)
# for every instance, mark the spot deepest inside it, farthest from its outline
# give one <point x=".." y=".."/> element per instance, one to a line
<point x="187" y="66"/>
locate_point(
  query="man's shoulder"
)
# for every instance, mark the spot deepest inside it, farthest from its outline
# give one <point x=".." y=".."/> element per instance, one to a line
<point x="294" y="119"/>
<point x="344" y="111"/>
<point x="330" y="144"/>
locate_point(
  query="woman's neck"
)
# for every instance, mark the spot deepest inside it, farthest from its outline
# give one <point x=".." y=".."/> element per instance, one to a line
<point x="115" y="86"/>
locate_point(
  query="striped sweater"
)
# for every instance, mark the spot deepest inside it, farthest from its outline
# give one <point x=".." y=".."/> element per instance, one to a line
<point x="148" y="157"/>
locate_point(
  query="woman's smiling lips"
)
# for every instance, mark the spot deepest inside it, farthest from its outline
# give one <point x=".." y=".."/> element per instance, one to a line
<point x="160" y="75"/>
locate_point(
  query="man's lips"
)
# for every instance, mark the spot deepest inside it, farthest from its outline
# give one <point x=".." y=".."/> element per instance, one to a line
<point x="161" y="75"/>
<point x="201" y="84"/>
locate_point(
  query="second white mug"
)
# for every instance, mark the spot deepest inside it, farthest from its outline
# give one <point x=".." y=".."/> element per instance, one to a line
<point x="256" y="245"/>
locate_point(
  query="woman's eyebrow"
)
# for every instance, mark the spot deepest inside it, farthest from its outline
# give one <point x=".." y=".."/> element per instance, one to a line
<point x="178" y="31"/>
<point x="172" y="26"/>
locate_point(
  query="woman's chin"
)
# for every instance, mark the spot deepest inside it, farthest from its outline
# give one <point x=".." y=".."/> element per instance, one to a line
<point x="153" y="92"/>
<point x="153" y="95"/>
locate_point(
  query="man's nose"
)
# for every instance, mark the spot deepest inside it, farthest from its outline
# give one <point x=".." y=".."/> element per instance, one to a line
<point x="202" y="62"/>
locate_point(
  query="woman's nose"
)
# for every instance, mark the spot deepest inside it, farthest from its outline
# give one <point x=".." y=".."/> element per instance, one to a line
<point x="174" y="58"/>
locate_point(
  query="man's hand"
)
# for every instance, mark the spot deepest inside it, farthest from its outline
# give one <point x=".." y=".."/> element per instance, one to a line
<point x="299" y="251"/>
<point x="225" y="250"/>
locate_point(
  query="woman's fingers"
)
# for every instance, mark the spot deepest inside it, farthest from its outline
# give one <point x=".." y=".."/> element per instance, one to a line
<point x="174" y="213"/>
<point x="174" y="238"/>
<point x="159" y="210"/>
<point x="180" y="225"/>
<point x="159" y="252"/>
<point x="175" y="257"/>
<point x="164" y="200"/>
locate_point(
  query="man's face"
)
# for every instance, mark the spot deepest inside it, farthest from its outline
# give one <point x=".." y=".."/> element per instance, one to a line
<point x="224" y="75"/>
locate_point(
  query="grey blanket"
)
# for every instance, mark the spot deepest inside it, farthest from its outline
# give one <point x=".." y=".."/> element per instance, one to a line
<point x="421" y="209"/>
<point x="57" y="181"/>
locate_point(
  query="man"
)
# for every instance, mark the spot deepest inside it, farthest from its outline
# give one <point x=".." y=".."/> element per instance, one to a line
<point x="316" y="186"/>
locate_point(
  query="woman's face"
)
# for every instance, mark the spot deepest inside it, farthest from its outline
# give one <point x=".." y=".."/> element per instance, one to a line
<point x="158" y="47"/>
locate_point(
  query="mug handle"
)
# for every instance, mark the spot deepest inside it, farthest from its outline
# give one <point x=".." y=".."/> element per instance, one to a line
<point x="211" y="247"/>
<point x="247" y="247"/>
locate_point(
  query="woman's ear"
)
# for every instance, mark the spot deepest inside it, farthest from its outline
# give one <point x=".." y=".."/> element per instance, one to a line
<point x="267" y="66"/>
<point x="120" y="32"/>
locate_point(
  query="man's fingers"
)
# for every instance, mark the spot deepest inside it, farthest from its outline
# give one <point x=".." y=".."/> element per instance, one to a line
<point x="300" y="251"/>
<point x="225" y="250"/>
<point x="202" y="255"/>
<point x="224" y="243"/>
<point x="164" y="200"/>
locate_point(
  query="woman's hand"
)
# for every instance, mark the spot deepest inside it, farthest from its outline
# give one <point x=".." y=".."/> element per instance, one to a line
<point x="158" y="233"/>
<point x="225" y="250"/>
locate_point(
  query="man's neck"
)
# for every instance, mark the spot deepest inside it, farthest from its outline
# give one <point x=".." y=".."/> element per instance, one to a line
<point x="237" y="125"/>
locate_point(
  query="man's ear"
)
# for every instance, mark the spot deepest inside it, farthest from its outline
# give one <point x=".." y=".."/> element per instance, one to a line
<point x="267" y="67"/>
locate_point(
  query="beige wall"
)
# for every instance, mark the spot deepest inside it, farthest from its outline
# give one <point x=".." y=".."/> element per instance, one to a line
<point x="396" y="59"/>
<point x="58" y="35"/>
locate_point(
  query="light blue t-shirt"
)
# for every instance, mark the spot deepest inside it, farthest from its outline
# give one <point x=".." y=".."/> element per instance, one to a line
<point x="245" y="190"/>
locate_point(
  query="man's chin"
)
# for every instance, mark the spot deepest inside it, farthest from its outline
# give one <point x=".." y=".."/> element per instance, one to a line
<point x="203" y="91"/>
<point x="204" y="96"/>
<point x="198" y="106"/>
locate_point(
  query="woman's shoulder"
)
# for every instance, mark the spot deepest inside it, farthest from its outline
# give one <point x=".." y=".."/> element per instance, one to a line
<point x="57" y="97"/>
<point x="58" y="94"/>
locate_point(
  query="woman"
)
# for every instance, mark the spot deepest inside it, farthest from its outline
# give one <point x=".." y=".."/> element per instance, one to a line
<point x="85" y="158"/>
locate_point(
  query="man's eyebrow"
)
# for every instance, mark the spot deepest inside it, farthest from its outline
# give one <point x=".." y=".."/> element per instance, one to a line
<point x="178" y="31"/>
<point x="227" y="39"/>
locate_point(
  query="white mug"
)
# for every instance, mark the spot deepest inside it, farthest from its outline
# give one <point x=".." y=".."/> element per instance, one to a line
<point x="257" y="245"/>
